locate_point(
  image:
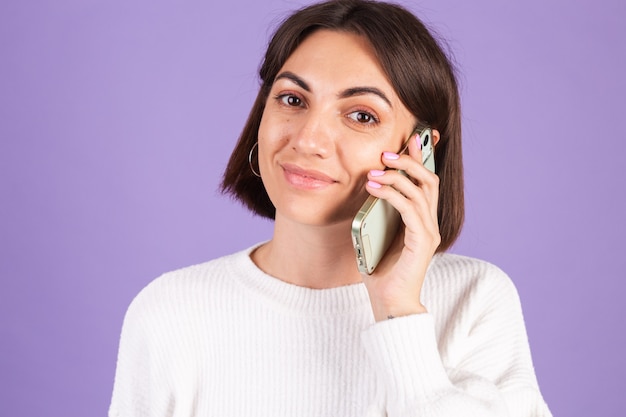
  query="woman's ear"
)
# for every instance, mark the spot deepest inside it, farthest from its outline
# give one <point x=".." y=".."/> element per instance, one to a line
<point x="436" y="136"/>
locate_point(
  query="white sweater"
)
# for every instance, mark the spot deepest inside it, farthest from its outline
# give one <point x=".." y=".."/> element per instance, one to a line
<point x="224" y="339"/>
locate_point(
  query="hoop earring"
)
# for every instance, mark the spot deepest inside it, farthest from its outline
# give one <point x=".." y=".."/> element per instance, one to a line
<point x="256" y="144"/>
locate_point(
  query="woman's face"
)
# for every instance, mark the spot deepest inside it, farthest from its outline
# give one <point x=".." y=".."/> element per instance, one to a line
<point x="330" y="114"/>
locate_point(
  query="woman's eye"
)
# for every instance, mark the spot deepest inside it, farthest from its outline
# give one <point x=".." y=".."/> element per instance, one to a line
<point x="290" y="100"/>
<point x="362" y="117"/>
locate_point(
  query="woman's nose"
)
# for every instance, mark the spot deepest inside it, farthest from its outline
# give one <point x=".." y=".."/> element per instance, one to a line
<point x="315" y="135"/>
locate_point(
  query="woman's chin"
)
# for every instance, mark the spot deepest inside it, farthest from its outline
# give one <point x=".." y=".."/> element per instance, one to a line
<point x="310" y="215"/>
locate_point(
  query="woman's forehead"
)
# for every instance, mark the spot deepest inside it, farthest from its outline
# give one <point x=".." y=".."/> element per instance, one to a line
<point x="344" y="58"/>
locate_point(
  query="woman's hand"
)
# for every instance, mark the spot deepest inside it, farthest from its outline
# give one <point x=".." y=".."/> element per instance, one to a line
<point x="395" y="285"/>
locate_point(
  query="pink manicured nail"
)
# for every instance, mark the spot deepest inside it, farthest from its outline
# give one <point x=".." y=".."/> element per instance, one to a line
<point x="390" y="155"/>
<point x="377" y="173"/>
<point x="419" y="142"/>
<point x="374" y="184"/>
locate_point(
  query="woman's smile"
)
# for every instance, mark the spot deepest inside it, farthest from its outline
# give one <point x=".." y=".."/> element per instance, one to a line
<point x="306" y="178"/>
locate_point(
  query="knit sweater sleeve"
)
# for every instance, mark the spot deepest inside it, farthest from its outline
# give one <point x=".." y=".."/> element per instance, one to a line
<point x="139" y="389"/>
<point x="486" y="369"/>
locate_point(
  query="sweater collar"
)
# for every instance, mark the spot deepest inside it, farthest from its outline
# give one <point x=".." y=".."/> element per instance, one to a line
<point x="296" y="299"/>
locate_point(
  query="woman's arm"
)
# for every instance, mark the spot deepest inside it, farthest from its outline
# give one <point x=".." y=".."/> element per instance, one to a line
<point x="486" y="369"/>
<point x="489" y="371"/>
<point x="139" y="389"/>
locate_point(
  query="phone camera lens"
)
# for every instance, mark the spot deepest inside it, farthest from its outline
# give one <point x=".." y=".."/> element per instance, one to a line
<point x="426" y="140"/>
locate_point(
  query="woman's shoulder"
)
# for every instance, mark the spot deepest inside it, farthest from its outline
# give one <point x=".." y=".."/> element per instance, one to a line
<point x="464" y="294"/>
<point x="453" y="267"/>
<point x="468" y="278"/>
<point x="190" y="282"/>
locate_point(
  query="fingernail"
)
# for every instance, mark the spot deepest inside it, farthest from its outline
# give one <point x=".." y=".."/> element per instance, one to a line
<point x="374" y="184"/>
<point x="377" y="173"/>
<point x="390" y="155"/>
<point x="419" y="142"/>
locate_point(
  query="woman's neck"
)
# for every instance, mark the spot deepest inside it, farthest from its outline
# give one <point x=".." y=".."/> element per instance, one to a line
<point x="309" y="256"/>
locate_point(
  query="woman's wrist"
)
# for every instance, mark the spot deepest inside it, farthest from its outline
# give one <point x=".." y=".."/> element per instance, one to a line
<point x="390" y="310"/>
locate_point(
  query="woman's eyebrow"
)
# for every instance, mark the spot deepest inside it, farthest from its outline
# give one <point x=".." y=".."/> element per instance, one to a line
<point x="294" y="78"/>
<point x="350" y="92"/>
<point x="359" y="91"/>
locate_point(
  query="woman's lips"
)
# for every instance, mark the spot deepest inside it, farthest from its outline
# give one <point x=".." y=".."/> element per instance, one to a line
<point x="306" y="178"/>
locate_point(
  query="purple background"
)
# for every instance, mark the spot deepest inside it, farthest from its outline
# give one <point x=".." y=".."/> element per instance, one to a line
<point x="117" y="117"/>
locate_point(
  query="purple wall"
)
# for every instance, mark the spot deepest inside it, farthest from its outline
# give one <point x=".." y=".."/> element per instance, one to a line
<point x="116" y="119"/>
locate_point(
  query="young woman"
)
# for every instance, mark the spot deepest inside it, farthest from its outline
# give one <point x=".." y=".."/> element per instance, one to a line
<point x="290" y="327"/>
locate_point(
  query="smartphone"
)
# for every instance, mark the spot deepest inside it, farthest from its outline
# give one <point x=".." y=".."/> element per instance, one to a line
<point x="375" y="225"/>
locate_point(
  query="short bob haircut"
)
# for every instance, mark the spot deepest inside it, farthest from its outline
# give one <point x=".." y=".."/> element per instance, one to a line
<point x="417" y="68"/>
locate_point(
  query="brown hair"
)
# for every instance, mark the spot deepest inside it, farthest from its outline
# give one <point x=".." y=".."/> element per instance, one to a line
<point x="416" y="66"/>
